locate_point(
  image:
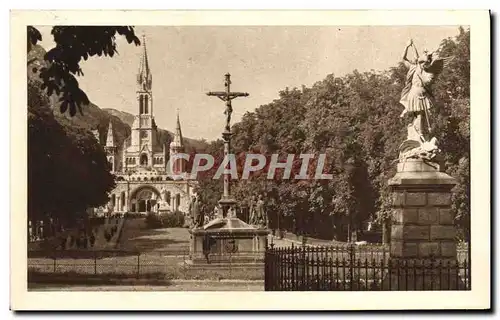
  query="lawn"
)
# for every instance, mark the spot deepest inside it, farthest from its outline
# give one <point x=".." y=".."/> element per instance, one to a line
<point x="164" y="253"/>
<point x="136" y="237"/>
<point x="140" y="252"/>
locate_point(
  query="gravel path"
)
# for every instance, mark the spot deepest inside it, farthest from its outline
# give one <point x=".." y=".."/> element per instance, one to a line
<point x="175" y="286"/>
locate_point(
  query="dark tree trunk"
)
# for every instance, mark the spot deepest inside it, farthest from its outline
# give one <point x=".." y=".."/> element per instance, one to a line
<point x="386" y="232"/>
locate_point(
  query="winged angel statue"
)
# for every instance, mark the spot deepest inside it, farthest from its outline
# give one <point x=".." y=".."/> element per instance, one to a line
<point x="417" y="99"/>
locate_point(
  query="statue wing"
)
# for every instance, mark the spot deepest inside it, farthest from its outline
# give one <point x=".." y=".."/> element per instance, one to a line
<point x="438" y="64"/>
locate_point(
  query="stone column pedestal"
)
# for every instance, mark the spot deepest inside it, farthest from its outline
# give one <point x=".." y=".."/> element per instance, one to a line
<point x="423" y="253"/>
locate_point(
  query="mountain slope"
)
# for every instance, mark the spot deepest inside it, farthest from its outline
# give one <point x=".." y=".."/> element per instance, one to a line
<point x="126" y="117"/>
<point x="164" y="136"/>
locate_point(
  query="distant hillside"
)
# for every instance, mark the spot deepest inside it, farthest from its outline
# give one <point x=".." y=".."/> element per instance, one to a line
<point x="92" y="118"/>
<point x="126" y="117"/>
<point x="95" y="118"/>
<point x="164" y="136"/>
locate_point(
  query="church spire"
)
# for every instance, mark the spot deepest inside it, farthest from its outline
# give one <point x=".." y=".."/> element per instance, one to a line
<point x="110" y="140"/>
<point x="177" y="165"/>
<point x="144" y="77"/>
<point x="177" y="142"/>
<point x="95" y="132"/>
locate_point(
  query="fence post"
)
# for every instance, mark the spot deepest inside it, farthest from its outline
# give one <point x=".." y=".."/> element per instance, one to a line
<point x="293" y="268"/>
<point x="351" y="265"/>
<point x="303" y="263"/>
<point x="230" y="264"/>
<point x="95" y="262"/>
<point x="266" y="267"/>
<point x="138" y="264"/>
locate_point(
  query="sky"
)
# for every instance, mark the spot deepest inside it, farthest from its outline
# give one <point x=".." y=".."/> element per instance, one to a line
<point x="188" y="61"/>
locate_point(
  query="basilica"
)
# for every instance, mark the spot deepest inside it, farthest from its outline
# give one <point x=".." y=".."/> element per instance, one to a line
<point x="145" y="180"/>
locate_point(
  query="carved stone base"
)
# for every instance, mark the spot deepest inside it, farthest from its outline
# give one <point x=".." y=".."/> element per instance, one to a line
<point x="228" y="240"/>
<point x="419" y="165"/>
<point x="423" y="253"/>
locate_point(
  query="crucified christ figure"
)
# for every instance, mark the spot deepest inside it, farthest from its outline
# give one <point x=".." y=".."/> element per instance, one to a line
<point x="228" y="112"/>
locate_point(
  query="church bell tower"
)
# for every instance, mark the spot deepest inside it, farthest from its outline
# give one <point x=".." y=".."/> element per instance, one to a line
<point x="146" y="124"/>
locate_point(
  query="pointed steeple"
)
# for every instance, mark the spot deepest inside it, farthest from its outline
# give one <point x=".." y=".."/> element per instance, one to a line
<point x="110" y="140"/>
<point x="144" y="77"/>
<point x="177" y="166"/>
<point x="178" y="141"/>
<point x="96" y="135"/>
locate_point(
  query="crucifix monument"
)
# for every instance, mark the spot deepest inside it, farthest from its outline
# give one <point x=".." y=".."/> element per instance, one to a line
<point x="227" y="239"/>
<point x="227" y="96"/>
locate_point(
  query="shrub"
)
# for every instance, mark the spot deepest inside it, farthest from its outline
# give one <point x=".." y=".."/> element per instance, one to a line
<point x="96" y="221"/>
<point x="107" y="236"/>
<point x="166" y="220"/>
<point x="133" y="215"/>
<point x="173" y="220"/>
<point x="153" y="221"/>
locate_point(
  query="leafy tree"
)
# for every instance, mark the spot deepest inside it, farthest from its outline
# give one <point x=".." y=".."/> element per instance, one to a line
<point x="74" y="43"/>
<point x="68" y="170"/>
<point x="354" y="120"/>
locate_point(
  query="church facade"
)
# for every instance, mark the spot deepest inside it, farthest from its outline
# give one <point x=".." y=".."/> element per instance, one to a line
<point x="145" y="180"/>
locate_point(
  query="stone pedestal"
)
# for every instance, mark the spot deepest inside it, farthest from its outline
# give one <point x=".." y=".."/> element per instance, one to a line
<point x="227" y="241"/>
<point x="423" y="253"/>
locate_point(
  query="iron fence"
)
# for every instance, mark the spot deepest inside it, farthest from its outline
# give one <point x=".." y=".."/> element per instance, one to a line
<point x="354" y="268"/>
<point x="164" y="264"/>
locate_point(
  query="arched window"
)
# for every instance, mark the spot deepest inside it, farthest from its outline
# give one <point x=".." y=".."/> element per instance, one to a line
<point x="141" y="104"/>
<point x="177" y="201"/>
<point x="146" y="105"/>
<point x="122" y="198"/>
<point x="110" y="162"/>
<point x="144" y="159"/>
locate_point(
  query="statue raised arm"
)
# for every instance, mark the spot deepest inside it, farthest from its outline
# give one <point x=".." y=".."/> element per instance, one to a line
<point x="405" y="54"/>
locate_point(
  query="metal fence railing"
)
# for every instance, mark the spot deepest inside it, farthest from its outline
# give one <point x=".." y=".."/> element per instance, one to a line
<point x="355" y="268"/>
<point x="170" y="264"/>
<point x="346" y="267"/>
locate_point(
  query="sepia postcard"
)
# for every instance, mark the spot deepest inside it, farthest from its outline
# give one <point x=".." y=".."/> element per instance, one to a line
<point x="241" y="160"/>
